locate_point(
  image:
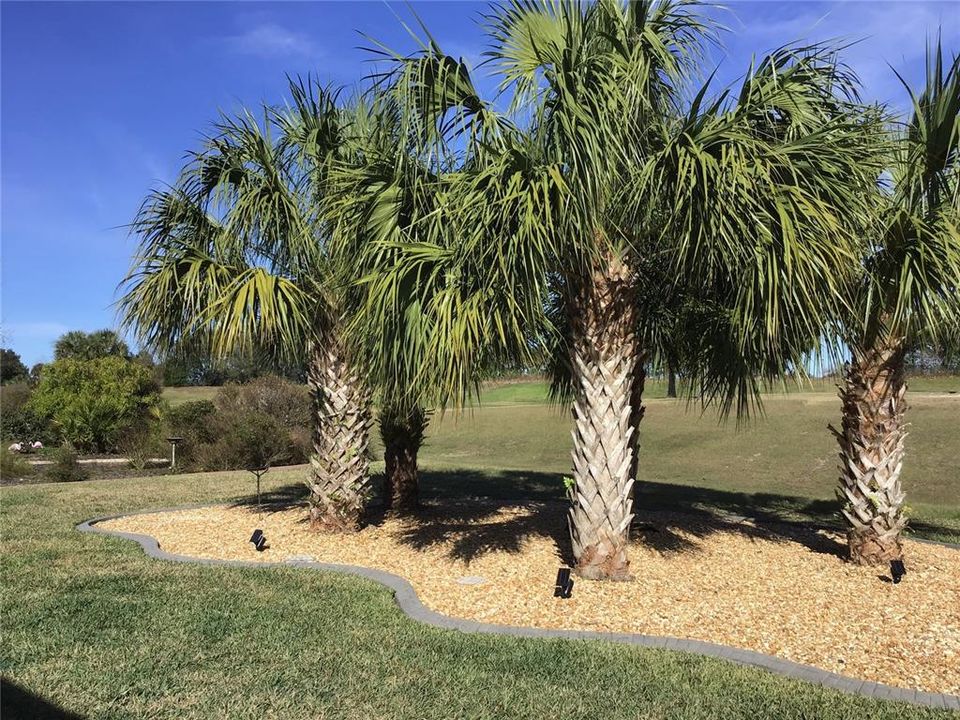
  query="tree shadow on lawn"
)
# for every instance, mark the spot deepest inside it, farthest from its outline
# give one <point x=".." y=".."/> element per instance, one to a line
<point x="463" y="508"/>
<point x="18" y="703"/>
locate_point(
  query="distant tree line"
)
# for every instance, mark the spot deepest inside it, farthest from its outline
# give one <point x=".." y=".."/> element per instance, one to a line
<point x="99" y="397"/>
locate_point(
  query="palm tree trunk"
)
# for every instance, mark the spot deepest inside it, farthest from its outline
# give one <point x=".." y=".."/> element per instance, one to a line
<point x="402" y="432"/>
<point x="637" y="411"/>
<point x="871" y="453"/>
<point x="339" y="479"/>
<point x="604" y="359"/>
<point x="671" y="383"/>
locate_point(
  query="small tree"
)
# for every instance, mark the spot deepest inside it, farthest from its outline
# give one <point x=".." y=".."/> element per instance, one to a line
<point x="94" y="402"/>
<point x="18" y="420"/>
<point x="12" y="368"/>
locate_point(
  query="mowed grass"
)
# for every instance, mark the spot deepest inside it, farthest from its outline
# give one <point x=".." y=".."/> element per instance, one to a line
<point x="783" y="463"/>
<point x="179" y="395"/>
<point x="93" y="626"/>
<point x="536" y="392"/>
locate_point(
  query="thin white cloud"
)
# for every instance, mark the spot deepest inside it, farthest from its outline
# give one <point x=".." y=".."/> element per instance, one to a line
<point x="32" y="331"/>
<point x="271" y="40"/>
<point x="883" y="34"/>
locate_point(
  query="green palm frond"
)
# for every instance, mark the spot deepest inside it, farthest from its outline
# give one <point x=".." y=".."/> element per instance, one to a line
<point x="237" y="257"/>
<point x="911" y="280"/>
<point x="765" y="199"/>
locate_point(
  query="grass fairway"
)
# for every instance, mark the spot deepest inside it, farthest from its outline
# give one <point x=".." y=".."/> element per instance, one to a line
<point x="782" y="464"/>
<point x="189" y="393"/>
<point x="92" y="625"/>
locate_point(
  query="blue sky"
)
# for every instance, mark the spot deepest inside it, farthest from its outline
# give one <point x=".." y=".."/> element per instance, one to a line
<point x="100" y="101"/>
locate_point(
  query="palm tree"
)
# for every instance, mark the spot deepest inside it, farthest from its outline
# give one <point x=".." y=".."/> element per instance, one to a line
<point x="425" y="122"/>
<point x="239" y="256"/>
<point x="80" y="345"/>
<point x="907" y="292"/>
<point x="295" y="214"/>
<point x="542" y="241"/>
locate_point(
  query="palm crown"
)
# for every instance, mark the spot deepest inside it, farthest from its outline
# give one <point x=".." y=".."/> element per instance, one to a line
<point x="601" y="176"/>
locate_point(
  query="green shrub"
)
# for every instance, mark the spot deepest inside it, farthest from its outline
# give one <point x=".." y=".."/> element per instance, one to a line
<point x="13" y="467"/>
<point x="140" y="445"/>
<point x="194" y="418"/>
<point x="66" y="466"/>
<point x="286" y="402"/>
<point x="195" y="422"/>
<point x="247" y="441"/>
<point x="265" y="422"/>
<point x="93" y="403"/>
<point x="18" y="420"/>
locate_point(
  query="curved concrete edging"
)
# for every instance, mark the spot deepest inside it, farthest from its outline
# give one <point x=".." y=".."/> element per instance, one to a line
<point x="406" y="597"/>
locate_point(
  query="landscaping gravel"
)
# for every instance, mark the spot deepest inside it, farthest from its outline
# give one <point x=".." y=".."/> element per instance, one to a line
<point x="779" y="590"/>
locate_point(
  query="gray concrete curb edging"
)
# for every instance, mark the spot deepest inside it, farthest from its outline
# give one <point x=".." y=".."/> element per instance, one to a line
<point x="406" y="597"/>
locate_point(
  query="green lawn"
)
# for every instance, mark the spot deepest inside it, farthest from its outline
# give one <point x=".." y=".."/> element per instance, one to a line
<point x="96" y="627"/>
<point x="179" y="395"/>
<point x="782" y="464"/>
<point x="91" y="624"/>
<point x="535" y="392"/>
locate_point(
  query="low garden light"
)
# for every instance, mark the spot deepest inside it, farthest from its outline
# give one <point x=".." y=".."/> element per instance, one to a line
<point x="259" y="540"/>
<point x="174" y="441"/>
<point x="897" y="570"/>
<point x="564" y="585"/>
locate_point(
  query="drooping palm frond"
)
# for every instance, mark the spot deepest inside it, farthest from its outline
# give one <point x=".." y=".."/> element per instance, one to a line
<point x="911" y="271"/>
<point x="765" y="199"/>
<point x="424" y="136"/>
<point x="182" y="290"/>
<point x="237" y="256"/>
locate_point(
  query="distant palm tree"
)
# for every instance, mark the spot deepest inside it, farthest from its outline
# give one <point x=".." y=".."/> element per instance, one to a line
<point x="549" y="238"/>
<point x="80" y="345"/>
<point x="908" y="292"/>
<point x="239" y="256"/>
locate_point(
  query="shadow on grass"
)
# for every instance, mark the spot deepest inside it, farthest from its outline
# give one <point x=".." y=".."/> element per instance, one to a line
<point x="464" y="508"/>
<point x="18" y="703"/>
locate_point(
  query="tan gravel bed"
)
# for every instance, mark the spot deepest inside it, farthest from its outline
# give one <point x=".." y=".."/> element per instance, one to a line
<point x="773" y="589"/>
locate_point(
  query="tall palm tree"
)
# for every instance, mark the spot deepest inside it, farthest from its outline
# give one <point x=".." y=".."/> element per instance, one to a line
<point x="545" y="239"/>
<point x="298" y="212"/>
<point x="908" y="292"/>
<point x="426" y="123"/>
<point x="238" y="255"/>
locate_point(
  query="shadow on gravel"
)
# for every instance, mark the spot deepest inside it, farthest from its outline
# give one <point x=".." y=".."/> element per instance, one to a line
<point x="464" y="507"/>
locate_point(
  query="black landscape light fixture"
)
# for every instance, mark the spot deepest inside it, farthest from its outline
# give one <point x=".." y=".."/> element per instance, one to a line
<point x="897" y="570"/>
<point x="259" y="540"/>
<point x="564" y="587"/>
<point x="174" y="441"/>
